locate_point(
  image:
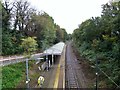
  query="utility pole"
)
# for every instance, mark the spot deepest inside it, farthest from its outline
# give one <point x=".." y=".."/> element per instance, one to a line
<point x="27" y="78"/>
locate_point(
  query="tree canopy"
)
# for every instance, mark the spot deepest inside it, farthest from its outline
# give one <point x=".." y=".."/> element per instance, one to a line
<point x="29" y="45"/>
<point x="100" y="37"/>
<point x="21" y="21"/>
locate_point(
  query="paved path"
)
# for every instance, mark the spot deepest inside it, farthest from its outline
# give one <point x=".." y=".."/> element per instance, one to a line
<point x="16" y="59"/>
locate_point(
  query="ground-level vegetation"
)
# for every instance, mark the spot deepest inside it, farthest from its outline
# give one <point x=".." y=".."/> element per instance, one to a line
<point x="14" y="76"/>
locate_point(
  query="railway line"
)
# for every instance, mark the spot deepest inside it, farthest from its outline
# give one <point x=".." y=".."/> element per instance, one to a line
<point x="74" y="76"/>
<point x="71" y="77"/>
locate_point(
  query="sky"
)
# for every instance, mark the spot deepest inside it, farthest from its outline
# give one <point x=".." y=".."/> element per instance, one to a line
<point x="69" y="14"/>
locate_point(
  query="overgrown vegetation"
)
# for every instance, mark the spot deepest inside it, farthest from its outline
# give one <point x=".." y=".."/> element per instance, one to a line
<point x="99" y="38"/>
<point x="20" y="21"/>
<point x="12" y="75"/>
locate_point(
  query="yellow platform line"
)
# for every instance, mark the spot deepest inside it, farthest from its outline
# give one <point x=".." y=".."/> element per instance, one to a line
<point x="57" y="77"/>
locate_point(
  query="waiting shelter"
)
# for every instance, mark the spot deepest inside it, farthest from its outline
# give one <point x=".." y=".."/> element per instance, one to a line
<point x="55" y="50"/>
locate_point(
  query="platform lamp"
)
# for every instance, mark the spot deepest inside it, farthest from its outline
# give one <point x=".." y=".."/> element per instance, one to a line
<point x="97" y="62"/>
<point x="96" y="74"/>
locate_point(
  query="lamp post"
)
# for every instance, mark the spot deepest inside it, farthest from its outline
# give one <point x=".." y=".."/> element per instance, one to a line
<point x="97" y="62"/>
<point x="27" y="78"/>
<point x="47" y="59"/>
<point x="96" y="74"/>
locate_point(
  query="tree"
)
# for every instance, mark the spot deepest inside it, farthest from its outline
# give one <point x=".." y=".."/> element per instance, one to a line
<point x="61" y="34"/>
<point x="41" y="25"/>
<point x="7" y="44"/>
<point x="100" y="37"/>
<point x="22" y="21"/>
<point x="29" y="45"/>
<point x="21" y="14"/>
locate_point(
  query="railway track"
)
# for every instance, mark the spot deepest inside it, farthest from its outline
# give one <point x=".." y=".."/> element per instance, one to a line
<point x="71" y="78"/>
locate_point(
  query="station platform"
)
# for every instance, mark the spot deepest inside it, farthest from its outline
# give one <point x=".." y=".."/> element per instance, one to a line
<point x="55" y="76"/>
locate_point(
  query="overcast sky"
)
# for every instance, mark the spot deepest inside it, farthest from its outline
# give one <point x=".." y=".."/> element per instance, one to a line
<point x="69" y="13"/>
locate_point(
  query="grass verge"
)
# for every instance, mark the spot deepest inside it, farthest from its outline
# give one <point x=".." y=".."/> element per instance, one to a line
<point x="13" y="74"/>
